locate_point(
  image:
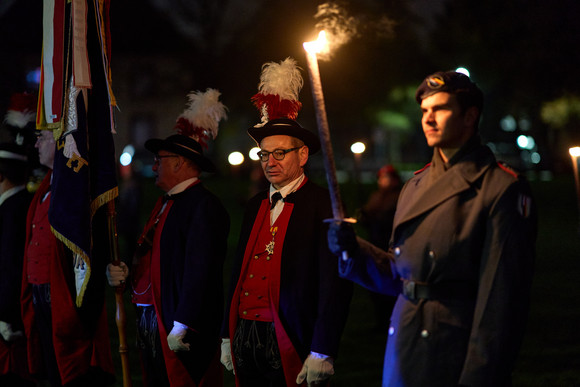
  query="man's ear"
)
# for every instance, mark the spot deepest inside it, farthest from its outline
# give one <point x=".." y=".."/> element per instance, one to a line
<point x="178" y="164"/>
<point x="303" y="154"/>
<point x="470" y="117"/>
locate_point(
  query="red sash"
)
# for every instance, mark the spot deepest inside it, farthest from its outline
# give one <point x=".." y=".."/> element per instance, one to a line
<point x="176" y="371"/>
<point x="141" y="283"/>
<point x="291" y="362"/>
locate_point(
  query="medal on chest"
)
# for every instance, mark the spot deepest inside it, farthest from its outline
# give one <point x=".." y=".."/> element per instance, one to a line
<point x="270" y="245"/>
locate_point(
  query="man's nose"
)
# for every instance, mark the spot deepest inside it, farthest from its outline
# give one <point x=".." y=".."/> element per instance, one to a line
<point x="428" y="117"/>
<point x="271" y="160"/>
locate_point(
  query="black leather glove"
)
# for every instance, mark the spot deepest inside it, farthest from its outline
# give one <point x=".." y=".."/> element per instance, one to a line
<point x="341" y="237"/>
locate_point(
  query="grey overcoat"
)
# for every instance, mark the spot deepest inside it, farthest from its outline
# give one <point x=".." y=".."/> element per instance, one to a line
<point x="461" y="260"/>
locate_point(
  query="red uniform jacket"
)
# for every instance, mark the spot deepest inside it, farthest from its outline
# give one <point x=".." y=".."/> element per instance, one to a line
<point x="77" y="348"/>
<point x="310" y="302"/>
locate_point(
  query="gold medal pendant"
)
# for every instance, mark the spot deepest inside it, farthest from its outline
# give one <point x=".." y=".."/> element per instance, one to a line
<point x="270" y="246"/>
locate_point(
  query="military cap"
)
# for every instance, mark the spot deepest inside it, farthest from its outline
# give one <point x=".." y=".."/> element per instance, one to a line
<point x="451" y="82"/>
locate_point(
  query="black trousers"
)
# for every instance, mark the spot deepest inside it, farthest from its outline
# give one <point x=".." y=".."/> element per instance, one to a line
<point x="257" y="356"/>
<point x="43" y="319"/>
<point x="149" y="344"/>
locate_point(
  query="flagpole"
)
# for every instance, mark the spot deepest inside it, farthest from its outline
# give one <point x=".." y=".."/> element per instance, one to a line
<point x="120" y="316"/>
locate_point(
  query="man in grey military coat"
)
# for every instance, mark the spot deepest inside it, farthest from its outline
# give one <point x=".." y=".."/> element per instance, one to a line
<point x="461" y="253"/>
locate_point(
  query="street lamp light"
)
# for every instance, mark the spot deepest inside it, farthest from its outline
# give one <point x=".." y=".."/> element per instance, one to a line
<point x="357" y="148"/>
<point x="253" y="153"/>
<point x="236" y="158"/>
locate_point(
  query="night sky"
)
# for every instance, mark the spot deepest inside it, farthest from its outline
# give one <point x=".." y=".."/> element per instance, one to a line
<point x="521" y="53"/>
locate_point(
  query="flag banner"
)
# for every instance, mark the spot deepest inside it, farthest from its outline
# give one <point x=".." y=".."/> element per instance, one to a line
<point x="84" y="173"/>
<point x="82" y="77"/>
<point x="105" y="39"/>
<point x="52" y="66"/>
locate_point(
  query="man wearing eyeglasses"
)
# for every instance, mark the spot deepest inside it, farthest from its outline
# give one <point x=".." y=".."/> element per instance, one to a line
<point x="287" y="307"/>
<point x="65" y="345"/>
<point x="177" y="275"/>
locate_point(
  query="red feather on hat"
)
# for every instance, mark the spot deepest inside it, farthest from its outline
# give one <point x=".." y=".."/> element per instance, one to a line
<point x="201" y="117"/>
<point x="279" y="86"/>
<point x="22" y="110"/>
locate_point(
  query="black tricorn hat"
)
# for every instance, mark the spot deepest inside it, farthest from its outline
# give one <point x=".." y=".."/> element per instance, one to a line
<point x="184" y="146"/>
<point x="285" y="127"/>
<point x="13" y="161"/>
<point x="13" y="152"/>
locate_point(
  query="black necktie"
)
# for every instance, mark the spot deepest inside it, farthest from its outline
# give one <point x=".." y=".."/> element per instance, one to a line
<point x="277" y="196"/>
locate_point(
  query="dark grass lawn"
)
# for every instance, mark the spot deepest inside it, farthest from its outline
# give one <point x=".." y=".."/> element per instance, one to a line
<point x="551" y="351"/>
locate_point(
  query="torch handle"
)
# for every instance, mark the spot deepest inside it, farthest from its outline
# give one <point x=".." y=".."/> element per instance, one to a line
<point x="324" y="134"/>
<point x="325" y="143"/>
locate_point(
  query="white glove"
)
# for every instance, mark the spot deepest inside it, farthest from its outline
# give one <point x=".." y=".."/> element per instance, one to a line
<point x="317" y="368"/>
<point x="226" y="356"/>
<point x="7" y="333"/>
<point x="175" y="338"/>
<point x="117" y="274"/>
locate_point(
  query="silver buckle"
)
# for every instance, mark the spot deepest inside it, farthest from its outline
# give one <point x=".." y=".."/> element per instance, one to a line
<point x="409" y="288"/>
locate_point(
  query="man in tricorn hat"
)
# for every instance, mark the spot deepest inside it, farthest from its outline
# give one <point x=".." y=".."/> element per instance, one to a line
<point x="65" y="345"/>
<point x="287" y="307"/>
<point x="461" y="253"/>
<point x="177" y="281"/>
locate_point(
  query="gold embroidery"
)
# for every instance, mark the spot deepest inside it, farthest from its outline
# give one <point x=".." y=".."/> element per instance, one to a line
<point x="79" y="160"/>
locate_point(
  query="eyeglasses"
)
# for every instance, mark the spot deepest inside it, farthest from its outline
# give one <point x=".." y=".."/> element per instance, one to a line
<point x="157" y="158"/>
<point x="278" y="154"/>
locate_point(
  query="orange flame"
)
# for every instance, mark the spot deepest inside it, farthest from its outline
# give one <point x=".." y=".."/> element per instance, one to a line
<point x="319" y="46"/>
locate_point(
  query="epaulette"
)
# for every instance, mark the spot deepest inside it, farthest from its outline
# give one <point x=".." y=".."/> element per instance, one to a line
<point x="422" y="169"/>
<point x="508" y="169"/>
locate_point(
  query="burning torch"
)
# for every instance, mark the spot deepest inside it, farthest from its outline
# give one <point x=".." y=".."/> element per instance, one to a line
<point x="575" y="154"/>
<point x="312" y="49"/>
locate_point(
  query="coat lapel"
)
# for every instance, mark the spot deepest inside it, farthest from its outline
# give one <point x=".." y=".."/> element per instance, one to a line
<point x="457" y="179"/>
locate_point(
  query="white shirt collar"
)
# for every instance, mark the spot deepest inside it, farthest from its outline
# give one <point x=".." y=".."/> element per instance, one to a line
<point x="284" y="191"/>
<point x="288" y="188"/>
<point x="181" y="186"/>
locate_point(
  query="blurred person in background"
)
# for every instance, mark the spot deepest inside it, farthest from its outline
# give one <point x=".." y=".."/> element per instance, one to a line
<point x="377" y="217"/>
<point x="17" y="159"/>
<point x="14" y="202"/>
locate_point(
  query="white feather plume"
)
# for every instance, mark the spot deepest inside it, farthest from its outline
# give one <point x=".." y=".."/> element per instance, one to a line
<point x="19" y="119"/>
<point x="204" y="111"/>
<point x="283" y="79"/>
